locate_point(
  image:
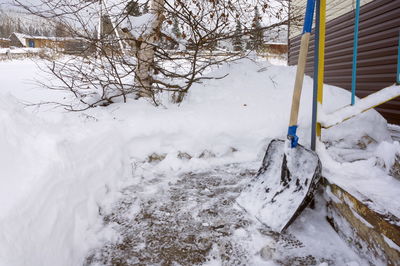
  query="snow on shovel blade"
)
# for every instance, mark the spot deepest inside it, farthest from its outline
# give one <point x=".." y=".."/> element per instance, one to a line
<point x="283" y="187"/>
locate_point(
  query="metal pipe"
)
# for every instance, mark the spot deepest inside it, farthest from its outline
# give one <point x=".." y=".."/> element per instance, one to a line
<point x="398" y="63"/>
<point x="355" y="51"/>
<point x="321" y="56"/>
<point x="315" y="78"/>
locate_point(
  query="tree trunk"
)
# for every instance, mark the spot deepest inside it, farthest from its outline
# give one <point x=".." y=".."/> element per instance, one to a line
<point x="146" y="51"/>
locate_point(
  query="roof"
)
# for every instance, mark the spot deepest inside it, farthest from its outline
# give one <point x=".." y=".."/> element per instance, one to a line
<point x="22" y="37"/>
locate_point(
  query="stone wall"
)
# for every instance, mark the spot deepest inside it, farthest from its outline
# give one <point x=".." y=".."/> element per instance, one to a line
<point x="374" y="235"/>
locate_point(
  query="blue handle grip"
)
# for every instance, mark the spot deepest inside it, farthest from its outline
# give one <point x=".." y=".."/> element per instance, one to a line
<point x="308" y="19"/>
<point x="294" y="139"/>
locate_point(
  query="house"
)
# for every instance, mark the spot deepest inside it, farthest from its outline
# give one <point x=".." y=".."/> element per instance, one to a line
<point x="17" y="40"/>
<point x="68" y="45"/>
<point x="77" y="46"/>
<point x="5" y="43"/>
<point x="377" y="52"/>
<point x="275" y="48"/>
<point x="24" y="40"/>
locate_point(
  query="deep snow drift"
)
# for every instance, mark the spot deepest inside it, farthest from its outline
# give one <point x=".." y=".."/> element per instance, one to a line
<point x="62" y="171"/>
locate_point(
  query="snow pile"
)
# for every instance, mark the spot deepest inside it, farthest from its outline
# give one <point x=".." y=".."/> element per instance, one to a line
<point x="367" y="178"/>
<point x="54" y="182"/>
<point x="359" y="152"/>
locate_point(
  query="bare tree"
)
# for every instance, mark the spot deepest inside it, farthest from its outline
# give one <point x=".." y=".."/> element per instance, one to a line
<point x="127" y="54"/>
<point x="145" y="52"/>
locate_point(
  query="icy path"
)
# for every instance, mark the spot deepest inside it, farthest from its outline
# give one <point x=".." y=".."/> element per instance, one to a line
<point x="194" y="220"/>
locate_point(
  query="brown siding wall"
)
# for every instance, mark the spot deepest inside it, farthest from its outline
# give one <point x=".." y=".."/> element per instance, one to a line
<point x="377" y="52"/>
<point x="334" y="9"/>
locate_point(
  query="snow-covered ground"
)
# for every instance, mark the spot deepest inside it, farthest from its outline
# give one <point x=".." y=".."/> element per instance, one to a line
<point x="16" y="50"/>
<point x="65" y="174"/>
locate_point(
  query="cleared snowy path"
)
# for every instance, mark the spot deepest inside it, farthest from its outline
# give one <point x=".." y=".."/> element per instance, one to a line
<point x="195" y="220"/>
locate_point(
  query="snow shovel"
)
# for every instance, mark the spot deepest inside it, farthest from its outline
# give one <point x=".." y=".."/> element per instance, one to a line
<point x="289" y="173"/>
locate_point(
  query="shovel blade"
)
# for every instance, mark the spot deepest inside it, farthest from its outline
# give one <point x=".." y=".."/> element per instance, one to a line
<point x="283" y="187"/>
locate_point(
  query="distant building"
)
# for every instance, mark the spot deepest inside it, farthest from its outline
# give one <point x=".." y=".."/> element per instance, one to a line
<point x="77" y="46"/>
<point x="17" y="40"/>
<point x="24" y="40"/>
<point x="275" y="48"/>
<point x="68" y="45"/>
<point x="5" y="43"/>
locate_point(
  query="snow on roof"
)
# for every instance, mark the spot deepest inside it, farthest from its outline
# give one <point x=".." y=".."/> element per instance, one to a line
<point x="21" y="37"/>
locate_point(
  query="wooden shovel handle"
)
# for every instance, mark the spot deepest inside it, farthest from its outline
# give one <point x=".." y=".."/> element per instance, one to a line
<point x="298" y="85"/>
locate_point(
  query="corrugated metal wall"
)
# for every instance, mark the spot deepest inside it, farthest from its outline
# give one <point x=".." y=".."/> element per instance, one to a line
<point x="377" y="53"/>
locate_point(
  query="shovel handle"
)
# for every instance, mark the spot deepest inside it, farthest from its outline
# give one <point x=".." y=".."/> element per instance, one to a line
<point x="301" y="65"/>
<point x="298" y="84"/>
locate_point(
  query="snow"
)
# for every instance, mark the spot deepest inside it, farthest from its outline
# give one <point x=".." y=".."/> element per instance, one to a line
<point x="330" y="196"/>
<point x="370" y="184"/>
<point x="360" y="106"/>
<point x="19" y="50"/>
<point x="391" y="243"/>
<point x="50" y="191"/>
<point x="140" y="25"/>
<point x="361" y="219"/>
<point x="387" y="152"/>
<point x="63" y="172"/>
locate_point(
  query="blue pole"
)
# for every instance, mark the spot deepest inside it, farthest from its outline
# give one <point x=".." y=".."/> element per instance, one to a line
<point x="315" y="79"/>
<point x="355" y="50"/>
<point x="398" y="62"/>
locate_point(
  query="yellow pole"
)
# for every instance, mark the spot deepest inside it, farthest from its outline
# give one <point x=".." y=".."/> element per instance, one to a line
<point x="321" y="54"/>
